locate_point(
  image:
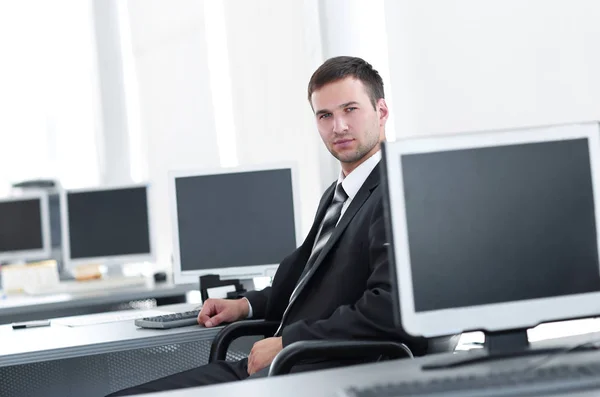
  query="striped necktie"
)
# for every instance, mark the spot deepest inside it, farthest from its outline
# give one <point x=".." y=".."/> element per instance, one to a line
<point x="330" y="220"/>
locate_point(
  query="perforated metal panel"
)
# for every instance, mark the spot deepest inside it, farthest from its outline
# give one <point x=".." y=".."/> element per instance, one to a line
<point x="102" y="374"/>
<point x="53" y="378"/>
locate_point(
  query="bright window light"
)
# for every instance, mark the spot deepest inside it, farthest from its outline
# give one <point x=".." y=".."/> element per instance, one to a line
<point x="220" y="81"/>
<point x="48" y="117"/>
<point x="132" y="104"/>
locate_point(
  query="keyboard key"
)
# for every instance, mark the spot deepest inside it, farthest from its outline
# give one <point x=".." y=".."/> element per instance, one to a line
<point x="167" y="321"/>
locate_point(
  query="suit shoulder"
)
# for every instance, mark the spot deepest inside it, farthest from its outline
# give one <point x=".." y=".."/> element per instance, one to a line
<point x="377" y="197"/>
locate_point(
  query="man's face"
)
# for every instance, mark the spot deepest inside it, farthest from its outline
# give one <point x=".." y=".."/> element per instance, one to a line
<point x="349" y="126"/>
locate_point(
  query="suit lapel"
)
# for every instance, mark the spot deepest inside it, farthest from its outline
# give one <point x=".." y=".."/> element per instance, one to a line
<point x="309" y="241"/>
<point x="323" y="206"/>
<point x="357" y="202"/>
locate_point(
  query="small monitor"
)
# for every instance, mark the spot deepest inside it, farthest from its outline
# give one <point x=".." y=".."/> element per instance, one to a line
<point x="106" y="226"/>
<point x="495" y="231"/>
<point x="55" y="225"/>
<point x="24" y="228"/>
<point x="236" y="222"/>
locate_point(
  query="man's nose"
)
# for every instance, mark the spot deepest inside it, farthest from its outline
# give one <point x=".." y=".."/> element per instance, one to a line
<point x="339" y="125"/>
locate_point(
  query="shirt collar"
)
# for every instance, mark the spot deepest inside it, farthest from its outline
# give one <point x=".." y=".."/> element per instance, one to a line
<point x="355" y="179"/>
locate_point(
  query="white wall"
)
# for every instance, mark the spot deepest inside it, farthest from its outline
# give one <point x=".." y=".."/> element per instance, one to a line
<point x="271" y="55"/>
<point x="115" y="162"/>
<point x="467" y="65"/>
<point x="358" y="28"/>
<point x="48" y="93"/>
<point x="176" y="117"/>
<point x="271" y="63"/>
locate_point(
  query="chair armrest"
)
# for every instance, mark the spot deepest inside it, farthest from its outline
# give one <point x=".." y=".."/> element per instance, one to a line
<point x="326" y="349"/>
<point x="221" y="342"/>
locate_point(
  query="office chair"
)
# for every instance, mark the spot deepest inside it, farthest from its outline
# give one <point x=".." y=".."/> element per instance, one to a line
<point x="308" y="350"/>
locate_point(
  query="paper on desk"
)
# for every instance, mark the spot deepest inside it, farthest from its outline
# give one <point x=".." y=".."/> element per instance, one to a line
<point x="220" y="292"/>
<point x="110" y="317"/>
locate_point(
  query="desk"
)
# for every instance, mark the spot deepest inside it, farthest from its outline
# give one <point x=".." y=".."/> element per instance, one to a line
<point x="98" y="359"/>
<point x="16" y="308"/>
<point x="327" y="383"/>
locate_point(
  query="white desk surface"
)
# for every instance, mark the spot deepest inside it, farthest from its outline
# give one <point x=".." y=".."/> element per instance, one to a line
<point x="20" y="302"/>
<point x="23" y="346"/>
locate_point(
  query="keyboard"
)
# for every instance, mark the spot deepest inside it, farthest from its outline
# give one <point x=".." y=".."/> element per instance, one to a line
<point x="110" y="317"/>
<point x="73" y="286"/>
<point x="167" y="321"/>
<point x="535" y="382"/>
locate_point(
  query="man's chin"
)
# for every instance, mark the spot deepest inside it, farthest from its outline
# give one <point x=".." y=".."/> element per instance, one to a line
<point x="349" y="158"/>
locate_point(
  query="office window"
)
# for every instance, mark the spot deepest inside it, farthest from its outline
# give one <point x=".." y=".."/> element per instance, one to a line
<point x="48" y="99"/>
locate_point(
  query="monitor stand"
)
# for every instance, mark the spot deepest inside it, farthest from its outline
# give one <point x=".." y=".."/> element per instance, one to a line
<point x="497" y="346"/>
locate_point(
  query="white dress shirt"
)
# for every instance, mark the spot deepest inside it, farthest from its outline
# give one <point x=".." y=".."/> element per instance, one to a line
<point x="354" y="180"/>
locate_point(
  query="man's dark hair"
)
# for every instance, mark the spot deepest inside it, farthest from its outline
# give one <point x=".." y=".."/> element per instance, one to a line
<point x="338" y="68"/>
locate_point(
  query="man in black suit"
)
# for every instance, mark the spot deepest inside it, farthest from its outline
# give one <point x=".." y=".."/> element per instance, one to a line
<point x="336" y="285"/>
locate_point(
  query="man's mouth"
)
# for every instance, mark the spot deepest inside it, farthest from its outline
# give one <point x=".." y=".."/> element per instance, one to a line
<point x="342" y="141"/>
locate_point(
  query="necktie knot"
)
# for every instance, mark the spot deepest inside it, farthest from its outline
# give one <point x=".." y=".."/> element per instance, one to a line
<point x="340" y="194"/>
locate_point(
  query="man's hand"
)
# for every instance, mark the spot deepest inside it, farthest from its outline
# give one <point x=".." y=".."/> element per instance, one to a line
<point x="263" y="353"/>
<point x="217" y="311"/>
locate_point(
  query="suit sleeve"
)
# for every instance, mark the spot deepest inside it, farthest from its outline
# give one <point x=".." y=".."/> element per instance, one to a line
<point x="258" y="300"/>
<point x="371" y="317"/>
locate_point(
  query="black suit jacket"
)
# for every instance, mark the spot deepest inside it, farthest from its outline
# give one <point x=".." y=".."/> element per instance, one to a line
<point x="348" y="294"/>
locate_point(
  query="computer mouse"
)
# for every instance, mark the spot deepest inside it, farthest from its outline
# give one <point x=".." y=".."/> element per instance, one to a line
<point x="160" y="277"/>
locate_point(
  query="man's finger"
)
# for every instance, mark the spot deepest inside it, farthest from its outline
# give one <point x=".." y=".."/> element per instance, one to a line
<point x="203" y="318"/>
<point x="251" y="363"/>
<point x="215" y="320"/>
<point x="251" y="368"/>
<point x="208" y="310"/>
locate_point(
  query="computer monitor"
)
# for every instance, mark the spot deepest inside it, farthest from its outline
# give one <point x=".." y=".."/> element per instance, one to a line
<point x="55" y="223"/>
<point x="106" y="226"/>
<point x="52" y="188"/>
<point x="24" y="228"/>
<point x="235" y="222"/>
<point x="495" y="231"/>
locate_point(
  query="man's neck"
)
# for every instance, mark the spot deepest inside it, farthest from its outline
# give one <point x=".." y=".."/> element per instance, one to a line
<point x="347" y="168"/>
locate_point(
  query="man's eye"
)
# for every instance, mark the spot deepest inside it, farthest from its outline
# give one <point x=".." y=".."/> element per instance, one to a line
<point x="348" y="110"/>
<point x="325" y="116"/>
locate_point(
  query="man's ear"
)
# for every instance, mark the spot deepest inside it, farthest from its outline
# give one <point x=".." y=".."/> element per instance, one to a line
<point x="383" y="111"/>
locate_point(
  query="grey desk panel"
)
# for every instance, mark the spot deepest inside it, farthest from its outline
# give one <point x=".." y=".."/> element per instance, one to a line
<point x="26" y="308"/>
<point x="101" y="374"/>
<point x="60" y="342"/>
<point x="328" y="383"/>
<point x="96" y="360"/>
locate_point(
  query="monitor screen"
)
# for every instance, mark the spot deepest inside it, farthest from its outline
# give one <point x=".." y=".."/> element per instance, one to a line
<point x="234" y="219"/>
<point x="55" y="226"/>
<point x="500" y="224"/>
<point x="21" y="225"/>
<point x="108" y="223"/>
